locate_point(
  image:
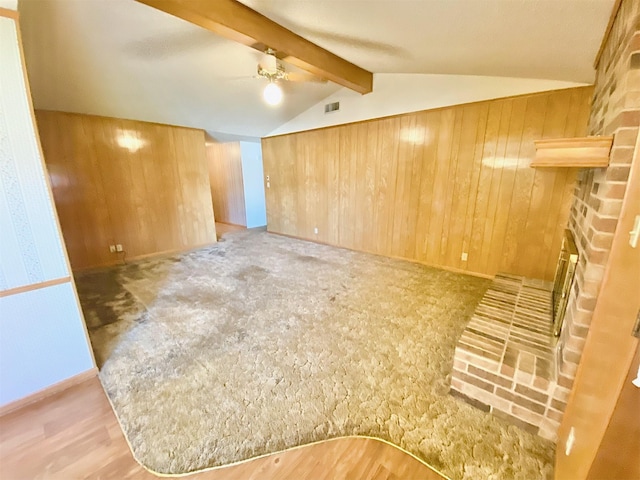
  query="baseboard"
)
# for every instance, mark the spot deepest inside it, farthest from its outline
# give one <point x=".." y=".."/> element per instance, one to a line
<point x="48" y="391"/>
<point x="146" y="256"/>
<point x="232" y="224"/>
<point x="395" y="257"/>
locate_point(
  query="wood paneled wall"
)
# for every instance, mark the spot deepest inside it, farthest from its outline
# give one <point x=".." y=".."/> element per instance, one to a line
<point x="225" y="177"/>
<point x="432" y="185"/>
<point x="138" y="184"/>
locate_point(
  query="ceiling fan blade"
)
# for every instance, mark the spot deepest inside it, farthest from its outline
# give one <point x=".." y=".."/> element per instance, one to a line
<point x="303" y="77"/>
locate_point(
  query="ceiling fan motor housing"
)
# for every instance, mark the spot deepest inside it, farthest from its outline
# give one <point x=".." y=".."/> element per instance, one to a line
<point x="269" y="62"/>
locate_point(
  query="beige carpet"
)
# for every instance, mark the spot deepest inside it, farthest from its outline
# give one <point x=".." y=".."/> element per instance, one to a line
<point x="262" y="342"/>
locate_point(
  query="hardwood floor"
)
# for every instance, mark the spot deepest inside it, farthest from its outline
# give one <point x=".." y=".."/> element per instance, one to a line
<point x="74" y="434"/>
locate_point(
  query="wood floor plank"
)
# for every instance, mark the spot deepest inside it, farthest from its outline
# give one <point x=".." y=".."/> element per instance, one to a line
<point x="74" y="434"/>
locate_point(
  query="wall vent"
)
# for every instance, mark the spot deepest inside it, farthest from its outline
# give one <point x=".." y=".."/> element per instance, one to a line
<point x="332" y="107"/>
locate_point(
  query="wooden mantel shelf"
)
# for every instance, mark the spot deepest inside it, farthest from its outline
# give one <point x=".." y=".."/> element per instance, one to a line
<point x="573" y="152"/>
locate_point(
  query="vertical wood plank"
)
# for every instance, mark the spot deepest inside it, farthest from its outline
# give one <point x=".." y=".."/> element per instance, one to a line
<point x="401" y="206"/>
<point x="331" y="145"/>
<point x="475" y="186"/>
<point x="431" y="185"/>
<point x="225" y="179"/>
<point x="440" y="179"/>
<point x="518" y="236"/>
<point x="429" y="162"/>
<point x="461" y="187"/>
<point x="387" y="154"/>
<point x="368" y="213"/>
<point x="482" y="222"/>
<point x="509" y="163"/>
<point x="417" y="161"/>
<point x="450" y="187"/>
<point x="141" y="185"/>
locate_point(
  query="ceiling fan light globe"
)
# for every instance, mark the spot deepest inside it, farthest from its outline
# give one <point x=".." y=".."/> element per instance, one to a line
<point x="272" y="94"/>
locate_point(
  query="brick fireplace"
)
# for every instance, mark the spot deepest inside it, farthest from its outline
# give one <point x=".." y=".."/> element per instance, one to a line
<point x="598" y="195"/>
<point x="517" y="385"/>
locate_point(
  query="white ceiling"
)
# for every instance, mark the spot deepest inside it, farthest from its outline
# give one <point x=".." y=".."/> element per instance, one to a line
<point x="123" y="59"/>
<point x="549" y="39"/>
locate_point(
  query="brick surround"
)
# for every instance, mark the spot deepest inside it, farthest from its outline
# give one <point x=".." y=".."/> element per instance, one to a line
<point x="598" y="195"/>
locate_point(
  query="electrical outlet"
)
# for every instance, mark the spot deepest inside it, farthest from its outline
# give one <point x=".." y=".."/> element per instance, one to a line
<point x="118" y="248"/>
<point x="464" y="256"/>
<point x="112" y="248"/>
<point x="315" y="230"/>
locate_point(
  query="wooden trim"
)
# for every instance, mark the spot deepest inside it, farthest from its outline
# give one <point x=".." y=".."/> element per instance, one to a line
<point x="607" y="32"/>
<point x="436" y="109"/>
<point x="8" y="13"/>
<point x="619" y="450"/>
<point x="573" y="152"/>
<point x="34" y="286"/>
<point x="235" y="21"/>
<point x="48" y="391"/>
<point x="395" y="257"/>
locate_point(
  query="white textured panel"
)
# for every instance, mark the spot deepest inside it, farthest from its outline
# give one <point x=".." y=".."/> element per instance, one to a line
<point x="42" y="341"/>
<point x="396" y="93"/>
<point x="30" y="248"/>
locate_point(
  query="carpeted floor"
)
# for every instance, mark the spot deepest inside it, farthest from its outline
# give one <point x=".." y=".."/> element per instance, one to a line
<point x="262" y="342"/>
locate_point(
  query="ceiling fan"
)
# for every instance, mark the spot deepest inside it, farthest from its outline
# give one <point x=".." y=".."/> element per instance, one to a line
<point x="235" y="21"/>
<point x="271" y="69"/>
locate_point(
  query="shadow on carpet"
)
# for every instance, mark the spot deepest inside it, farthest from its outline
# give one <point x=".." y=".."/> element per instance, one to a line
<point x="261" y="343"/>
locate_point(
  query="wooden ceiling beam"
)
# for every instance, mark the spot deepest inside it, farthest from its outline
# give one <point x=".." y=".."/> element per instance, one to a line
<point x="235" y="21"/>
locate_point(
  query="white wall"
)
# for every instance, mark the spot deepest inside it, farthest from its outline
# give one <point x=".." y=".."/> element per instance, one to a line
<point x="42" y="334"/>
<point x="253" y="179"/>
<point x="394" y="94"/>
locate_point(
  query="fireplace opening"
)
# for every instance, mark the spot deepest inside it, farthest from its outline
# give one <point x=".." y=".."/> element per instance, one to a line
<point x="563" y="280"/>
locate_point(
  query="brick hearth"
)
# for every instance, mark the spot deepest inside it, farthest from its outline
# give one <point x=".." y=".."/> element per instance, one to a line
<point x="505" y="360"/>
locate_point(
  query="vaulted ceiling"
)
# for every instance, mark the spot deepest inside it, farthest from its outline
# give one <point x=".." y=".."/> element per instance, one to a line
<point x="124" y="59"/>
